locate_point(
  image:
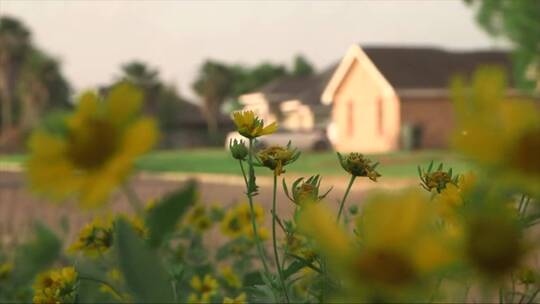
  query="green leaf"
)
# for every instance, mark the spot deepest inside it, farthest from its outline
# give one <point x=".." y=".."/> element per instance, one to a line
<point x="293" y="268"/>
<point x="161" y="220"/>
<point x="144" y="273"/>
<point x="37" y="255"/>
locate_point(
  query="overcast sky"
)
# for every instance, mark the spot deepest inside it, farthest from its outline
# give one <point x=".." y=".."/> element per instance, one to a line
<point x="92" y="39"/>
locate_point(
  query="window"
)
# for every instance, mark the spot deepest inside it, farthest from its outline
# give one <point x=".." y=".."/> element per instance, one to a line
<point x="380" y="115"/>
<point x="350" y="118"/>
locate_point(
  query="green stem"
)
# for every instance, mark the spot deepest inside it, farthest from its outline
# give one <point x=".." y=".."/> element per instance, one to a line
<point x="104" y="283"/>
<point x="351" y="181"/>
<point x="274" y="241"/>
<point x="258" y="242"/>
<point x="133" y="199"/>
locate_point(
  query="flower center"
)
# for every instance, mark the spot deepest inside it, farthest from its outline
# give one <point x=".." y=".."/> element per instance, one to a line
<point x="92" y="145"/>
<point x="386" y="267"/>
<point x="525" y="156"/>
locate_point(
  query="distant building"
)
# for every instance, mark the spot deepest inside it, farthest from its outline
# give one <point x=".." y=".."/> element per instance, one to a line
<point x="375" y="99"/>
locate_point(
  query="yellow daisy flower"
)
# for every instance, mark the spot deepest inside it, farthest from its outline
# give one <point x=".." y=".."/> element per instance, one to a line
<point x="95" y="238"/>
<point x="95" y="152"/>
<point x="232" y="225"/>
<point x="250" y="126"/>
<point x="206" y="287"/>
<point x="56" y="286"/>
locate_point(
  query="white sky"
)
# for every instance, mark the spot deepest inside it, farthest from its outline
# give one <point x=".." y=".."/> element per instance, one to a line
<point x="92" y="39"/>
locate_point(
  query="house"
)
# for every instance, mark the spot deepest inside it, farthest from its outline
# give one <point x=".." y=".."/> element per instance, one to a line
<point x="376" y="99"/>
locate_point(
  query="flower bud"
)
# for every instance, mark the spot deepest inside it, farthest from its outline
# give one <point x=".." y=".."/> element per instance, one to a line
<point x="238" y="149"/>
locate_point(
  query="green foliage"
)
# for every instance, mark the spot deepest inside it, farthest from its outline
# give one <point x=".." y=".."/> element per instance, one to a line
<point x="519" y="22"/>
<point x="36" y="255"/>
<point x="144" y="273"/>
<point x="302" y="67"/>
<point x="161" y="220"/>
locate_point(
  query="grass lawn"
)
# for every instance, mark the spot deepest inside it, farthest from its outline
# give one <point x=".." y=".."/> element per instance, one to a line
<point x="398" y="164"/>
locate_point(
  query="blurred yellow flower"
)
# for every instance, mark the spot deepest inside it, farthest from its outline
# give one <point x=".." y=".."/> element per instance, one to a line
<point x="96" y="151"/>
<point x="230" y="277"/>
<point x="232" y="225"/>
<point x="496" y="131"/>
<point x="56" y="286"/>
<point x="198" y="218"/>
<point x="317" y="222"/>
<point x="5" y="270"/>
<point x="206" y="287"/>
<point x="452" y="196"/>
<point x="494" y="243"/>
<point x="240" y="299"/>
<point x="95" y="238"/>
<point x="250" y="126"/>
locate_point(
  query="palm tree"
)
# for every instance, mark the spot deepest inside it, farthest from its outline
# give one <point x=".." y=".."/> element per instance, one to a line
<point x="147" y="79"/>
<point x="14" y="43"/>
<point x="213" y="85"/>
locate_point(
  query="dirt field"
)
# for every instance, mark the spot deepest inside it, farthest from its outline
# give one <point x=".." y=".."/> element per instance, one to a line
<point x="20" y="209"/>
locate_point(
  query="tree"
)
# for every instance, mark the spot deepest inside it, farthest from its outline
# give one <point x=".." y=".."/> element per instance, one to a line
<point x="519" y="22"/>
<point x="147" y="79"/>
<point x="41" y="87"/>
<point x="160" y="100"/>
<point x="214" y="84"/>
<point x="302" y="67"/>
<point x="14" y="43"/>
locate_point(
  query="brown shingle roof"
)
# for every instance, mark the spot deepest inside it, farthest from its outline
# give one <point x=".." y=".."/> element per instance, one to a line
<point x="429" y="68"/>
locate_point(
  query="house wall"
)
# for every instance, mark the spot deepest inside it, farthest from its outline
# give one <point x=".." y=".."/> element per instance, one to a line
<point x="356" y="114"/>
<point x="257" y="102"/>
<point x="433" y="116"/>
<point x="296" y="116"/>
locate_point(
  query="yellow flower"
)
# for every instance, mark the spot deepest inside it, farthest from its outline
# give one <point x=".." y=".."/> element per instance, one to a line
<point x="317" y="223"/>
<point x="262" y="232"/>
<point x="230" y="277"/>
<point x="358" y="165"/>
<point x="250" y="126"/>
<point x="244" y="213"/>
<point x="277" y="157"/>
<point x="240" y="299"/>
<point x="195" y="299"/>
<point x="137" y="223"/>
<point x="498" y="132"/>
<point x="232" y="225"/>
<point x="95" y="238"/>
<point x="198" y="218"/>
<point x="452" y="196"/>
<point x="397" y="244"/>
<point x="95" y="152"/>
<point x="56" y="286"/>
<point x="494" y="243"/>
<point x="207" y="287"/>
